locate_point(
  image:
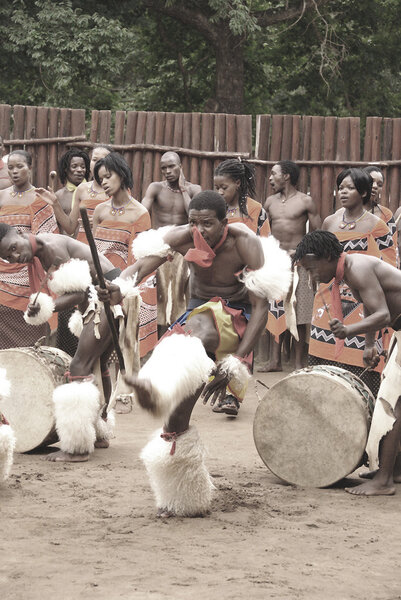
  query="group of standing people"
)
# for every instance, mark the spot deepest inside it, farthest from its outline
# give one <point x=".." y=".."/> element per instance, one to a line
<point x="188" y="279"/>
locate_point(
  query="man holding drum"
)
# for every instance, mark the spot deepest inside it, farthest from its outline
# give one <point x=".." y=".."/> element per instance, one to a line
<point x="68" y="264"/>
<point x="378" y="286"/>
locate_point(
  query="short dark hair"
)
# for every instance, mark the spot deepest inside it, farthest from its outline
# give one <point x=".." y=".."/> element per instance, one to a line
<point x="209" y="200"/>
<point x="374" y="169"/>
<point x="288" y="167"/>
<point x="115" y="162"/>
<point x="25" y="154"/>
<point x="362" y="181"/>
<point x="4" y="229"/>
<point x="65" y="160"/>
<point x="245" y="173"/>
<point x="323" y="244"/>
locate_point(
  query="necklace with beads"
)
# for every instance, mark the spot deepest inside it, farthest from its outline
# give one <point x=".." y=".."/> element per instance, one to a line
<point x="92" y="193"/>
<point x="351" y="224"/>
<point x="119" y="210"/>
<point x="20" y="194"/>
<point x="231" y="212"/>
<point x="174" y="190"/>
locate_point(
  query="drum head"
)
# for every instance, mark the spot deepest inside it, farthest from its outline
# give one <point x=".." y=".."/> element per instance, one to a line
<point x="29" y="407"/>
<point x="311" y="429"/>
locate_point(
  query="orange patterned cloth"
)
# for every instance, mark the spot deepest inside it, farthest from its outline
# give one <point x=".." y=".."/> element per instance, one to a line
<point x="36" y="218"/>
<point x="322" y="344"/>
<point x="114" y="240"/>
<point x="257" y="220"/>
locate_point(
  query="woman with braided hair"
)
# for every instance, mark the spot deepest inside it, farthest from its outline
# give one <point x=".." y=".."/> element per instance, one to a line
<point x="235" y="181"/>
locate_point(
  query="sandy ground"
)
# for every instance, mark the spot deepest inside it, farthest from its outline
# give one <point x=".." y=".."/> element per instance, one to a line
<point x="89" y="530"/>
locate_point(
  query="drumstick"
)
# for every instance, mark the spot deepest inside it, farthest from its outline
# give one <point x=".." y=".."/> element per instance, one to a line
<point x="44" y="280"/>
<point x="102" y="283"/>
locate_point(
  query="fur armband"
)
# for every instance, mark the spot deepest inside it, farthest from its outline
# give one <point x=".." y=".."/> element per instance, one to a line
<point x="46" y="309"/>
<point x="72" y="276"/>
<point x="273" y="280"/>
<point x="235" y="369"/>
<point x="151" y="243"/>
<point x="127" y="286"/>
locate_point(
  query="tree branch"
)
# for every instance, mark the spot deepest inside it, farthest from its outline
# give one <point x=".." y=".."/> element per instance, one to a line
<point x="186" y="16"/>
<point x="267" y="18"/>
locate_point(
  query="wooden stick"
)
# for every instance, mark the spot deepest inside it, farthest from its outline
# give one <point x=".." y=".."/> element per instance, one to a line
<point x="43" y="283"/>
<point x="102" y="283"/>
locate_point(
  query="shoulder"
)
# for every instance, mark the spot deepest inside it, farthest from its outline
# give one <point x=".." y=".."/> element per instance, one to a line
<point x="154" y="188"/>
<point x="271" y="199"/>
<point x="178" y="236"/>
<point x="194" y="189"/>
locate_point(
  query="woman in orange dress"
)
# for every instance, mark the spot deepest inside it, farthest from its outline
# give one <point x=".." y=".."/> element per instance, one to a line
<point x="116" y="223"/>
<point x="360" y="231"/>
<point x="235" y="181"/>
<point x="22" y="208"/>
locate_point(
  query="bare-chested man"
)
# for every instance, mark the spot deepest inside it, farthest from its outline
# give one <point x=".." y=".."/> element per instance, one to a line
<point x="226" y="315"/>
<point x="378" y="286"/>
<point x="289" y="210"/>
<point x="73" y="168"/>
<point x="168" y="201"/>
<point x="69" y="263"/>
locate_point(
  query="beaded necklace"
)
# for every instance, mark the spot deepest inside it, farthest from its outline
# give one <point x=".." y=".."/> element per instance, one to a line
<point x="20" y="194"/>
<point x="119" y="210"/>
<point x="351" y="224"/>
<point x="176" y="191"/>
<point x="231" y="212"/>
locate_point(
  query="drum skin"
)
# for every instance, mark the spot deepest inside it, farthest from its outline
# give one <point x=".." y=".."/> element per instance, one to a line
<point x="33" y="374"/>
<point x="311" y="427"/>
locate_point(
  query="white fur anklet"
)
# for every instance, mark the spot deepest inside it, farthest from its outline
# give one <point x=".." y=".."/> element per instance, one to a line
<point x="46" y="304"/>
<point x="178" y="366"/>
<point x="76" y="407"/>
<point x="105" y="429"/>
<point x="7" y="444"/>
<point x="180" y="482"/>
<point x="273" y="280"/>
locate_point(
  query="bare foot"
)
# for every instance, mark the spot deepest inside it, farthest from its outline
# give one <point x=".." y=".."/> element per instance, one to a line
<point x="143" y="389"/>
<point x="102" y="443"/>
<point x="163" y="513"/>
<point x="372" y="488"/>
<point x="61" y="456"/>
<point x="270" y="368"/>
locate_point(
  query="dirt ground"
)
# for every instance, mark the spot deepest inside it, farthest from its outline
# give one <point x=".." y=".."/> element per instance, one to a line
<point x="89" y="530"/>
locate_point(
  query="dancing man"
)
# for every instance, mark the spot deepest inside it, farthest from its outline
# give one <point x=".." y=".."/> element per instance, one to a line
<point x="80" y="422"/>
<point x="232" y="274"/>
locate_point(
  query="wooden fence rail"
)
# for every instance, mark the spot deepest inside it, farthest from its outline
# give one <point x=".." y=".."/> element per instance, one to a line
<point x="322" y="146"/>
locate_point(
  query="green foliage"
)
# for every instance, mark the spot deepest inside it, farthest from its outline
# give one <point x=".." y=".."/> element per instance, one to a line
<point x="338" y="58"/>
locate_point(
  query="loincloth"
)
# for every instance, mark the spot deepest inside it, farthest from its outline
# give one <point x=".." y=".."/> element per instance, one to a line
<point x="390" y="390"/>
<point x="230" y="319"/>
<point x="172" y="289"/>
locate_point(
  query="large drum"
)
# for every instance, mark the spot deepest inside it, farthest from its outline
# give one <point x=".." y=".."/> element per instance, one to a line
<point x="33" y="374"/>
<point x="311" y="427"/>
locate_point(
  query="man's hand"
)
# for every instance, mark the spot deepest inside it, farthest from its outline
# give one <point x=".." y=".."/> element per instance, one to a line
<point x="338" y="328"/>
<point x="111" y="294"/>
<point x="371" y="357"/>
<point x="47" y="196"/>
<point x="33" y="309"/>
<point x="215" y="390"/>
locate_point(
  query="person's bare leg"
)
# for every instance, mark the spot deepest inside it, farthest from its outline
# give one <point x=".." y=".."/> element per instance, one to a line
<point x="286" y="352"/>
<point x="382" y="483"/>
<point x="274" y="364"/>
<point x="396" y="471"/>
<point x="300" y="347"/>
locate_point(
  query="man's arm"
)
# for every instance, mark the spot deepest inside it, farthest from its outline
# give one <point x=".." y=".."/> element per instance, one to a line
<point x="315" y="222"/>
<point x="150" y="195"/>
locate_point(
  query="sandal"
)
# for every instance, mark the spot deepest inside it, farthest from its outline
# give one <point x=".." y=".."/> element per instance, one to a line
<point x="229" y="405"/>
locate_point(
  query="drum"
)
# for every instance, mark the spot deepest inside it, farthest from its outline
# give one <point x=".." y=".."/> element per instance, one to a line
<point x="33" y="374"/>
<point x="311" y="427"/>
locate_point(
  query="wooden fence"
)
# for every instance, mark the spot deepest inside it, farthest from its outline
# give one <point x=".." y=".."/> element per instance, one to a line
<point x="322" y="146"/>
